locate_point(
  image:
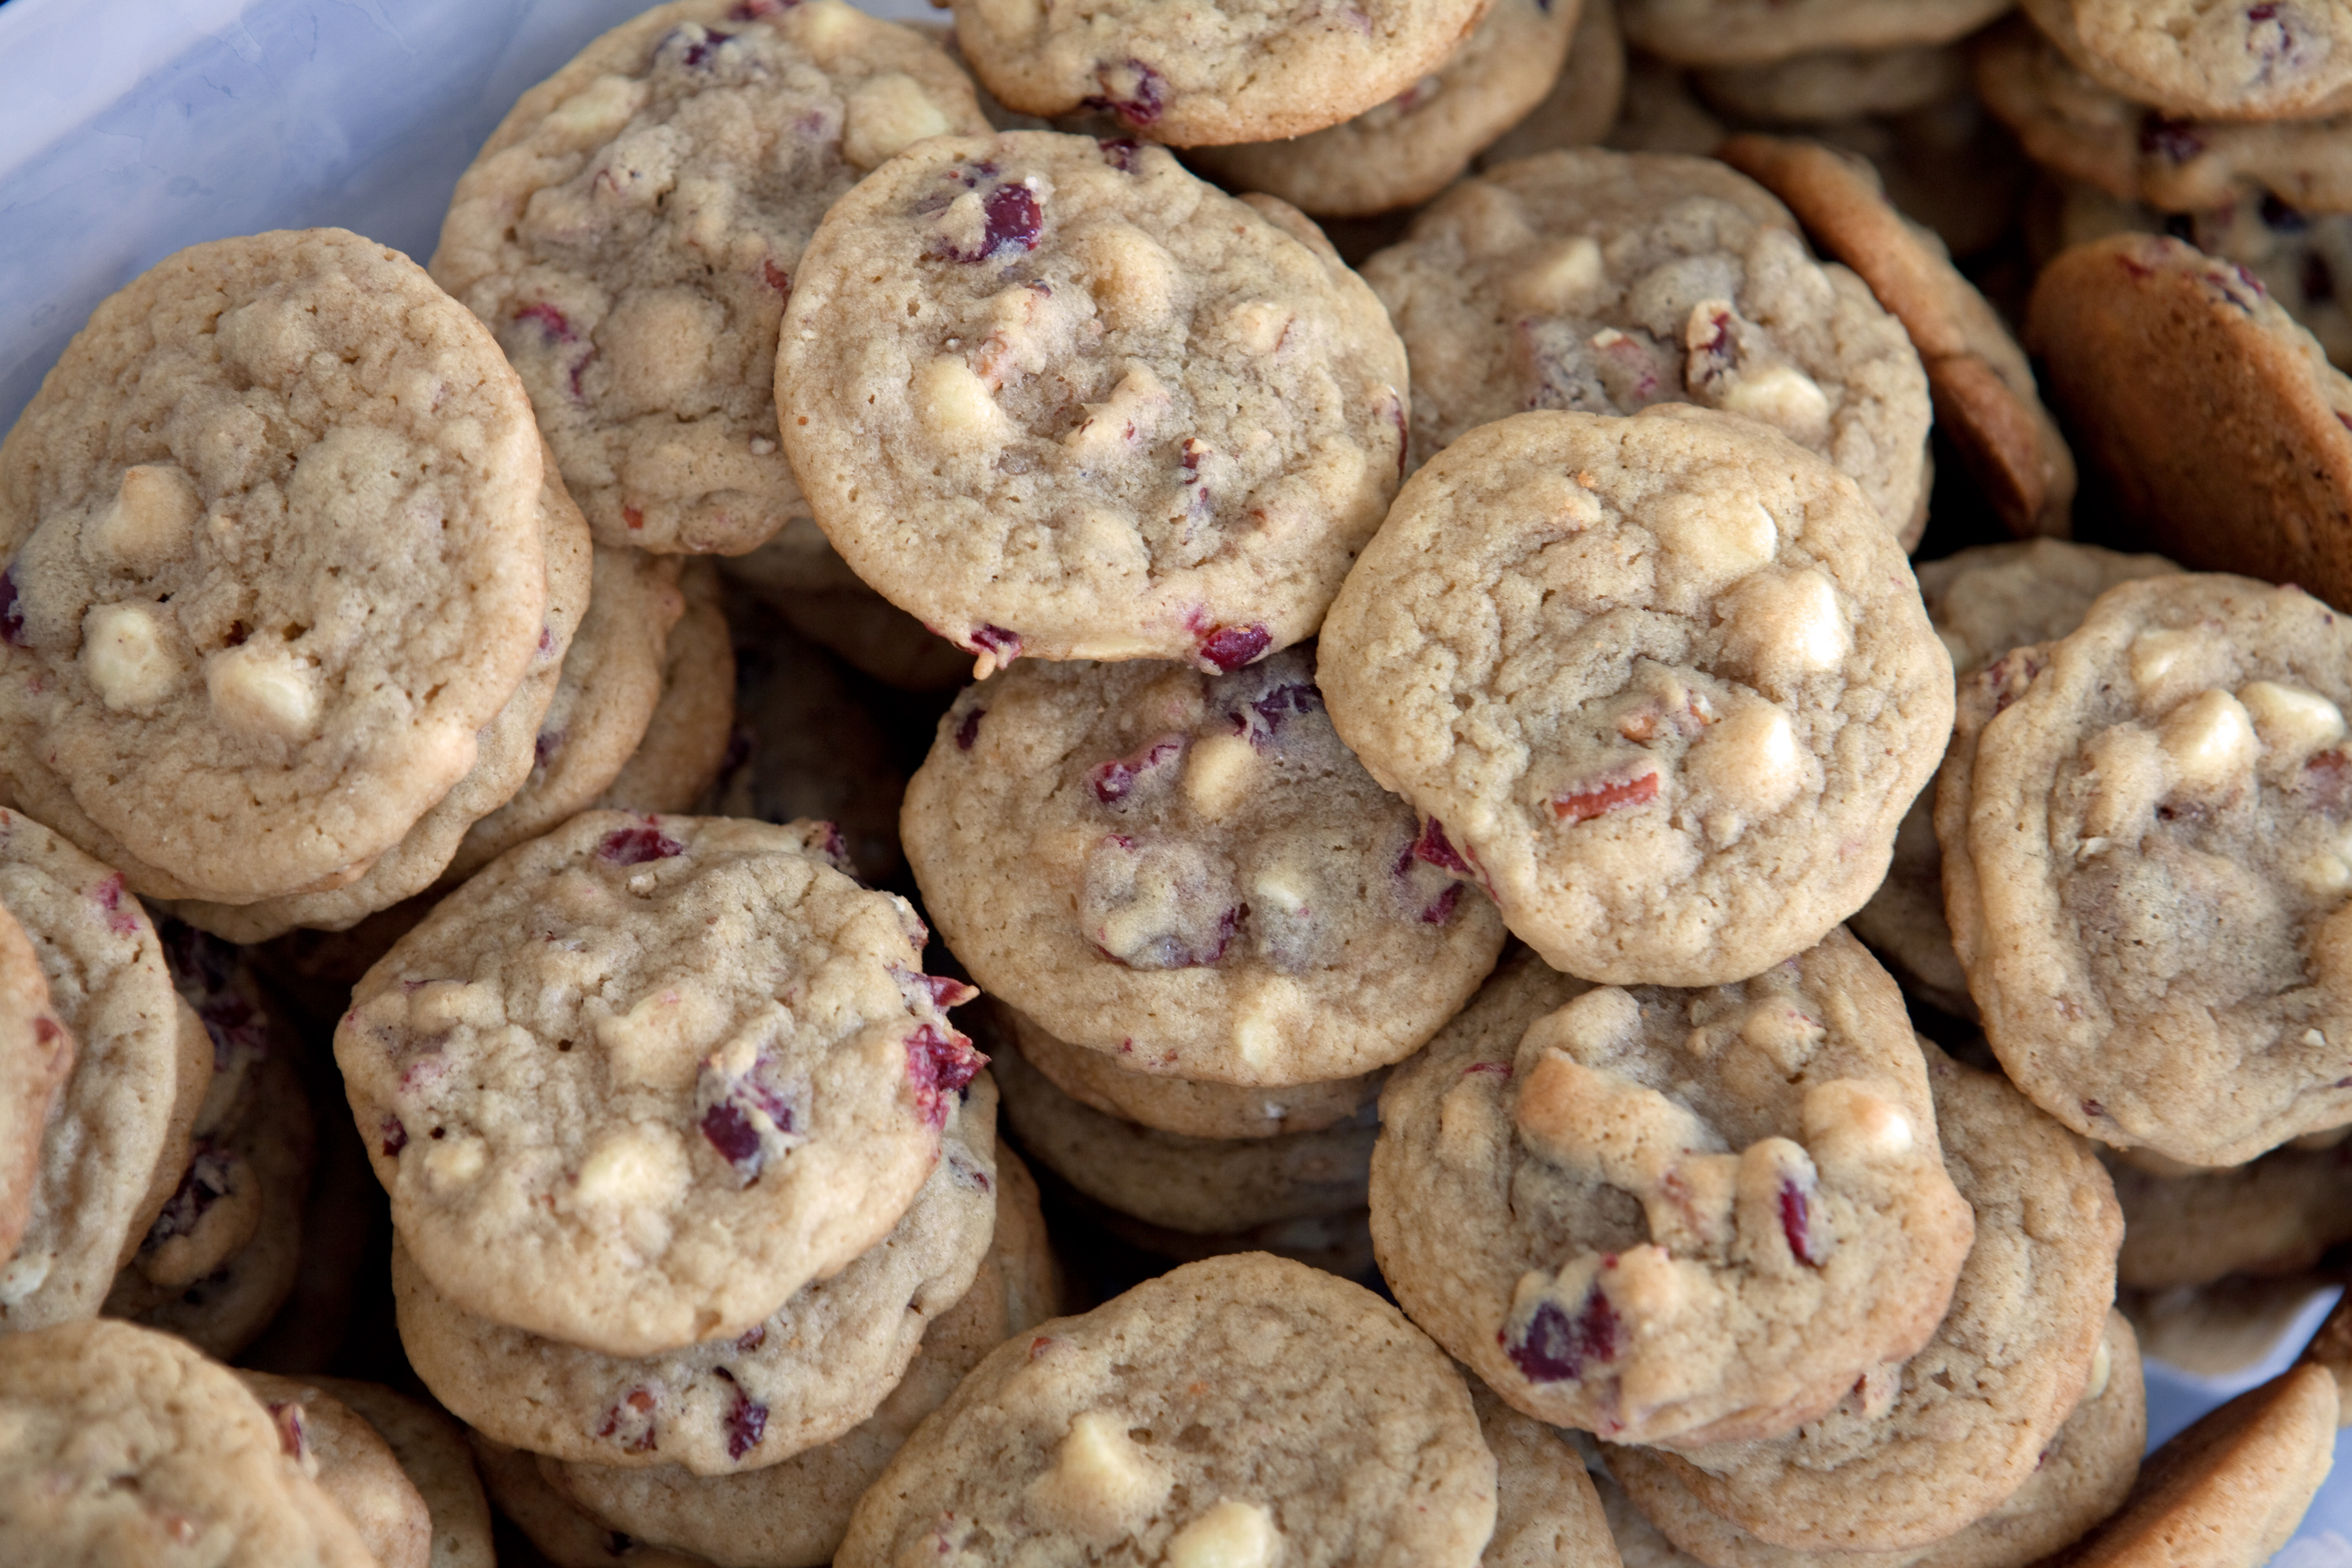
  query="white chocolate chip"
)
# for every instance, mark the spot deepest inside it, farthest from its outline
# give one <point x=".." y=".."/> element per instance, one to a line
<point x="1218" y="773"/>
<point x="1593" y="1029"/>
<point x="662" y="1041"/>
<point x="956" y="404"/>
<point x="2323" y="872"/>
<point x="1230" y="1535"/>
<point x="1778" y="626"/>
<point x="454" y="1163"/>
<point x="2293" y="722"/>
<point x="1102" y="1484"/>
<point x="885" y="114"/>
<point x="2168" y="666"/>
<point x="1130" y="275"/>
<point x="2209" y="740"/>
<point x="124" y="656"/>
<point x="2129" y="770"/>
<point x="1266" y="1018"/>
<point x="1258" y="326"/>
<point x="1564" y="274"/>
<point x="24" y="1273"/>
<point x="636" y="1167"/>
<point x="1750" y="761"/>
<point x="1716" y="537"/>
<point x="150" y="520"/>
<point x="262" y="688"/>
<point x="591" y="115"/>
<point x="1279" y="889"/>
<point x="2103" y="1365"/>
<point x="2314" y="1038"/>
<point x="1847" y="1121"/>
<point x="825" y="24"/>
<point x="1782" y="396"/>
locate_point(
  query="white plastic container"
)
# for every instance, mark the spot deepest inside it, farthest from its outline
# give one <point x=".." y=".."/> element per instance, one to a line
<point x="132" y="128"/>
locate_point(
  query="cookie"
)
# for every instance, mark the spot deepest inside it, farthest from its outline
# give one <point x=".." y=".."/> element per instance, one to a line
<point x="1982" y="386"/>
<point x="685" y="743"/>
<point x="1791" y="1227"/>
<point x="118" y="1444"/>
<point x="2073" y="124"/>
<point x="36" y="1054"/>
<point x="1189" y="872"/>
<point x="1412" y="147"/>
<point x="2153" y="349"/>
<point x="1546" y="1515"/>
<point x="1836" y="84"/>
<point x="2224" y="1329"/>
<point x="432" y="1452"/>
<point x="2137" y="858"/>
<point x="1333" y="1432"/>
<point x="792" y="1514"/>
<point x="1095" y="408"/>
<point x="1097" y="1079"/>
<point x="2276" y="1215"/>
<point x="116" y="1138"/>
<point x="353" y="1464"/>
<point x="803" y="578"/>
<point x="640" y="1080"/>
<point x="801" y="1375"/>
<point x="1606" y="283"/>
<point x="1947" y="1437"/>
<point x="1195" y="1185"/>
<point x="633" y="227"/>
<point x="2082" y="1476"/>
<point x="264" y="704"/>
<point x="2232" y="62"/>
<point x="1759" y="32"/>
<point x="1662" y="686"/>
<point x="1210" y="76"/>
<point x="1584" y="99"/>
<point x="560" y="1533"/>
<point x="504" y="762"/>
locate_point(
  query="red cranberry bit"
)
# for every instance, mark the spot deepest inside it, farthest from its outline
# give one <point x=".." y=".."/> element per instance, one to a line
<point x="1012" y="217"/>
<point x="1603" y="799"/>
<point x="1502" y="1069"/>
<point x="12" y="613"/>
<point x="1796" y="1224"/>
<point x="636" y="845"/>
<point x="942" y="991"/>
<point x="730" y="1133"/>
<point x="553" y="323"/>
<point x="543" y="749"/>
<point x="1226" y="648"/>
<point x="698" y="49"/>
<point x="2326" y="783"/>
<point x="1434" y="847"/>
<point x="1557" y="1348"/>
<point x="1120" y="153"/>
<point x="291" y="1438"/>
<point x="752" y="10"/>
<point x="2093" y="1108"/>
<point x="1133" y="91"/>
<point x="778" y="279"/>
<point x="394" y="1135"/>
<point x="1004" y="645"/>
<point x="205" y="1185"/>
<point x="2174" y="139"/>
<point x="746" y="1421"/>
<point x="629" y="514"/>
<point x="938" y="1064"/>
<point x="1286" y="701"/>
<point x="637" y="1409"/>
<point x="1438" y="912"/>
<point x="1114" y="781"/>
<point x="752" y="1339"/>
<point x="834" y="849"/>
<point x="109" y="897"/>
<point x="968" y="729"/>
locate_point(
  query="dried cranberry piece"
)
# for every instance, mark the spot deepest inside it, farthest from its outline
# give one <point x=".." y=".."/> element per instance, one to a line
<point x="1557" y="1348"/>
<point x="1796" y="1224"/>
<point x="778" y="279"/>
<point x="700" y="49"/>
<point x="942" y="991"/>
<point x="1434" y="847"/>
<point x="636" y="845"/>
<point x="1601" y="799"/>
<point x="1290" y="700"/>
<point x="551" y="322"/>
<point x="1502" y="1067"/>
<point x="108" y="895"/>
<point x="1012" y="217"/>
<point x="968" y="729"/>
<point x="1226" y="648"/>
<point x="938" y="1064"/>
<point x="2326" y="783"/>
<point x="635" y="1409"/>
<point x="746" y="1421"/>
<point x="2174" y="139"/>
<point x="752" y="1339"/>
<point x="730" y="1133"/>
<point x="1141" y="102"/>
<point x="1004" y="645"/>
<point x="752" y="10"/>
<point x="1114" y="781"/>
<point x="1438" y="912"/>
<point x="291" y="1436"/>
<point x="206" y="1183"/>
<point x="394" y="1135"/>
<point x="1120" y="153"/>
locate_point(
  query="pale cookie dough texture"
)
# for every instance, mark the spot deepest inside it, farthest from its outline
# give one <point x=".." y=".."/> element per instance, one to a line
<point x="120" y="1445"/>
<point x="1057" y="397"/>
<point x="1183" y="1106"/>
<point x="36" y="1054"/>
<point x="1672" y="1216"/>
<point x="1196" y="76"/>
<point x="2146" y="871"/>
<point x="1189" y="872"/>
<point x="1955" y="1431"/>
<point x="1759" y="32"/>
<point x="1662" y="686"/>
<point x="352" y="1464"/>
<point x="1244" y="1410"/>
<point x="1412" y="147"/>
<point x="2217" y="58"/>
<point x="2274" y="1215"/>
<point x="433" y="1452"/>
<point x="631" y="230"/>
<point x="1606" y="282"/>
<point x="273" y="557"/>
<point x="642" y="1079"/>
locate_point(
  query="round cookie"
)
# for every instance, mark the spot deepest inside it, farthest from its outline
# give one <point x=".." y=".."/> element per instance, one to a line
<point x="1189" y="872"/>
<point x="633" y="227"/>
<point x="36" y="1056"/>
<point x="1096" y="1079"/>
<point x="432" y="1452"/>
<point x="2197" y="57"/>
<point x="1201" y="1186"/>
<point x="263" y="704"/>
<point x="1412" y="147"/>
<point x="118" y="1444"/>
<point x="2141" y="832"/>
<point x="801" y="1376"/>
<point x="1663" y="685"/>
<point x="1546" y="1515"/>
<point x="1584" y="99"/>
<point x="1982" y="385"/>
<point x="792" y="1514"/>
<point x="1956" y="1430"/>
<point x="561" y="1533"/>
<point x="352" y="1464"/>
<point x="1207" y="76"/>
<point x="685" y="743"/>
<point x="1836" y="84"/>
<point x="2276" y="1215"/>
<point x="1607" y="282"/>
<point x="640" y="1080"/>
<point x="1759" y="32"/>
<point x="116" y="1138"/>
<point x="1093" y="407"/>
<point x="1672" y="1216"/>
<point x="1332" y="1432"/>
<point x="2082" y="1476"/>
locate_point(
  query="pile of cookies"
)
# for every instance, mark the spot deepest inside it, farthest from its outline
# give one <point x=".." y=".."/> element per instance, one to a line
<point x="1423" y="727"/>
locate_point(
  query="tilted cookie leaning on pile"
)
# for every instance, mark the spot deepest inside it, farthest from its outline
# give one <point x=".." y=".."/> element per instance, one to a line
<point x="1429" y="732"/>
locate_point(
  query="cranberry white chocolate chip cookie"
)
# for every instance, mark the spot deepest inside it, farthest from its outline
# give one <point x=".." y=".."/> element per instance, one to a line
<point x="642" y="1079"/>
<point x="1242" y="1412"/>
<point x="1663" y="686"/>
<point x="1605" y="282"/>
<point x="801" y="1376"/>
<point x="274" y="556"/>
<point x="1412" y="147"/>
<point x="633" y="227"/>
<point x="352" y="1464"/>
<point x="37" y="1053"/>
<point x="1672" y="1216"/>
<point x="2146" y="867"/>
<point x="1756" y="32"/>
<point x="1059" y="398"/>
<point x="1953" y="1433"/>
<point x="2274" y="60"/>
<point x="1193" y="76"/>
<point x="1189" y="871"/>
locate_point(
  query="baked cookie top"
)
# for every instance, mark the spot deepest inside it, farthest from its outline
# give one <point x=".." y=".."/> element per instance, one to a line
<point x="640" y="1080"/>
<point x="1607" y="282"/>
<point x="1058" y="397"/>
<point x="273" y="559"/>
<point x="633" y="227"/>
<point x="2216" y="57"/>
<point x="1663" y="685"/>
<point x="36" y="1054"/>
<point x="1332" y="1431"/>
<point x="1207" y="74"/>
<point x="1759" y="32"/>
<point x="1672" y="1216"/>
<point x="1189" y="871"/>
